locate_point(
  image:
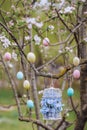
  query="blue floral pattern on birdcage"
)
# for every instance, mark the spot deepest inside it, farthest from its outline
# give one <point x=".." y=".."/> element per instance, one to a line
<point x="51" y="105"/>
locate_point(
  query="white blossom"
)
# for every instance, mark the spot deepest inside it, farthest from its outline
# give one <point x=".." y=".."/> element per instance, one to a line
<point x="85" y="12"/>
<point x="85" y="39"/>
<point x="11" y="23"/>
<point x="14" y="56"/>
<point x="24" y="95"/>
<point x="37" y="39"/>
<point x="61" y="12"/>
<point x="13" y="7"/>
<point x="27" y="38"/>
<point x="60" y="51"/>
<point x="10" y="65"/>
<point x="69" y="9"/>
<point x="29" y="26"/>
<point x="32" y="21"/>
<point x="43" y="2"/>
<point x="82" y="0"/>
<point x="5" y="41"/>
<point x="67" y="48"/>
<point x="67" y="114"/>
<point x="40" y="92"/>
<point x="39" y="25"/>
<point x="71" y="50"/>
<point x="51" y="27"/>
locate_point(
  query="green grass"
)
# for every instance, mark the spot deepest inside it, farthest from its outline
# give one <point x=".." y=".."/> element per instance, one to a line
<point x="6" y="96"/>
<point x="9" y="119"/>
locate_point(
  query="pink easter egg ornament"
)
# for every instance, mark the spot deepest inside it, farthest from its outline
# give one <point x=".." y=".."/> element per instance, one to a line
<point x="76" y="74"/>
<point x="46" y="41"/>
<point x="7" y="56"/>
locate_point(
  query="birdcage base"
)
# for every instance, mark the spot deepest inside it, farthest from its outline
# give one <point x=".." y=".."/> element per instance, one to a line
<point x="52" y="117"/>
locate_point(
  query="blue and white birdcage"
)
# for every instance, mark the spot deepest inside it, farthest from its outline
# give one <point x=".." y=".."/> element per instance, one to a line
<point x="51" y="104"/>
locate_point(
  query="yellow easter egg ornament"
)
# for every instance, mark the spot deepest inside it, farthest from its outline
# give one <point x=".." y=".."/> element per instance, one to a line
<point x="62" y="70"/>
<point x="26" y="84"/>
<point x="76" y="61"/>
<point x="31" y="57"/>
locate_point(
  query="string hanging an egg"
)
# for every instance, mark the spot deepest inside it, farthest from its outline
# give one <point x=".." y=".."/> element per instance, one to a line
<point x="51" y="105"/>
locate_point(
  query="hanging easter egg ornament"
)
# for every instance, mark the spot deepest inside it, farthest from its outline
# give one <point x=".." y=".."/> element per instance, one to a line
<point x="51" y="105"/>
<point x="20" y="75"/>
<point x="46" y="41"/>
<point x="26" y="84"/>
<point x="70" y="92"/>
<point x="76" y="61"/>
<point x="7" y="56"/>
<point x="30" y="104"/>
<point x="31" y="57"/>
<point x="76" y="74"/>
<point x="61" y="70"/>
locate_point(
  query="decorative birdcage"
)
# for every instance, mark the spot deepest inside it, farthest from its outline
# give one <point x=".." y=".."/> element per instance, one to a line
<point x="51" y="104"/>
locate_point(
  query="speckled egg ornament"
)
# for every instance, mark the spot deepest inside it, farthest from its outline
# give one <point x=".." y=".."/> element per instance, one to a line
<point x="26" y="84"/>
<point x="7" y="56"/>
<point x="70" y="92"/>
<point x="46" y="41"/>
<point x="30" y="104"/>
<point x="76" y="74"/>
<point x="20" y="75"/>
<point x="31" y="57"/>
<point x="76" y="61"/>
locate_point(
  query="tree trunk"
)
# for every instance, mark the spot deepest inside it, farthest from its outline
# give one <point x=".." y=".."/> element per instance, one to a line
<point x="82" y="119"/>
<point x="80" y="123"/>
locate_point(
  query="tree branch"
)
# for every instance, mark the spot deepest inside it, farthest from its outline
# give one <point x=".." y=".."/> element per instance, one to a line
<point x="37" y="122"/>
<point x="74" y="108"/>
<point x="63" y="21"/>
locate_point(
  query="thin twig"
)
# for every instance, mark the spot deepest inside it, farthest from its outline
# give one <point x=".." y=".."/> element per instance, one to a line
<point x="73" y="32"/>
<point x="60" y="124"/>
<point x="49" y="62"/>
<point x="62" y="21"/>
<point x="73" y="106"/>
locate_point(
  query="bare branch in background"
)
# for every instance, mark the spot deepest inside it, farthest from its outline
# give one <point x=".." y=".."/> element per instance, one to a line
<point x="13" y="87"/>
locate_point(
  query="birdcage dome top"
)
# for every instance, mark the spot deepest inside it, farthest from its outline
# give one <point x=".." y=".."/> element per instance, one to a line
<point x="52" y="92"/>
